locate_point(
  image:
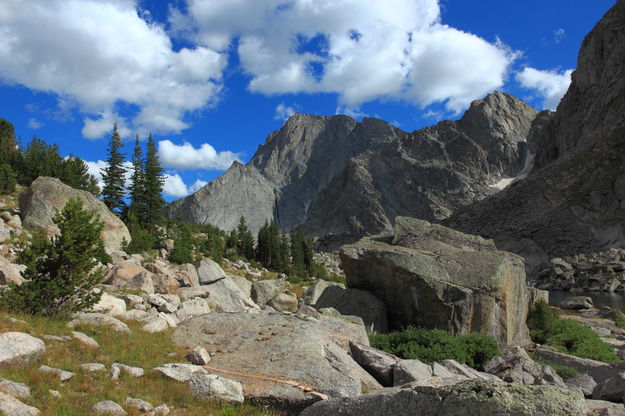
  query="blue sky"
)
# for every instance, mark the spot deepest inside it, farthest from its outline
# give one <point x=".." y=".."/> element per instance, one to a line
<point x="212" y="78"/>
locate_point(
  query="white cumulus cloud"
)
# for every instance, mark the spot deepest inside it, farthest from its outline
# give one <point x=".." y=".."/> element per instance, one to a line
<point x="175" y="186"/>
<point x="394" y="49"/>
<point x="551" y="85"/>
<point x="283" y="111"/>
<point x="34" y="124"/>
<point x="100" y="53"/>
<point x="186" y="156"/>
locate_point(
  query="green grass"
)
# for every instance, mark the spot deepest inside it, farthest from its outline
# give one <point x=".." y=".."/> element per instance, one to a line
<point x="139" y="349"/>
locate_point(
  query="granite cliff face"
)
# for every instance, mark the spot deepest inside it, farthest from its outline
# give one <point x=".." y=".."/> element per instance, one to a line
<point x="574" y="200"/>
<point x="335" y="176"/>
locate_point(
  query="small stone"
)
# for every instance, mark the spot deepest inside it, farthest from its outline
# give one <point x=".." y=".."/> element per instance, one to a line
<point x="216" y="387"/>
<point x="132" y="371"/>
<point x="55" y="394"/>
<point x="139" y="404"/>
<point x="155" y="324"/>
<point x="108" y="407"/>
<point x="179" y="371"/>
<point x="56" y="338"/>
<point x="15" y="389"/>
<point x="85" y="339"/>
<point x="61" y="374"/>
<point x="198" y="356"/>
<point x="162" y="410"/>
<point x="98" y="319"/>
<point x="92" y="367"/>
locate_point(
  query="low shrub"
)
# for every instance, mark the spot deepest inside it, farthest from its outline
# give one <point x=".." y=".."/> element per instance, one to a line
<point x="430" y="345"/>
<point x="563" y="371"/>
<point x="567" y="336"/>
<point x="617" y="317"/>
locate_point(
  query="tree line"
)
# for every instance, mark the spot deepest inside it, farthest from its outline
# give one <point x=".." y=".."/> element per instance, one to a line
<point x="23" y="164"/>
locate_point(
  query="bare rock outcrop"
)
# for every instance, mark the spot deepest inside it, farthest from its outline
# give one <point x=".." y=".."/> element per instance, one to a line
<point x="434" y="277"/>
<point x="45" y="195"/>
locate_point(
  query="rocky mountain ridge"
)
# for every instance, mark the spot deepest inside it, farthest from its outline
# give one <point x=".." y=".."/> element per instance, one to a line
<point x="335" y="176"/>
<point x="574" y="200"/>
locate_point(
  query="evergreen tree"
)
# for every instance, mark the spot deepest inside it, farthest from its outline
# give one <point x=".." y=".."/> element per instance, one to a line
<point x="9" y="152"/>
<point x="284" y="265"/>
<point x="137" y="185"/>
<point x="40" y="159"/>
<point x="7" y="179"/>
<point x="245" y="240"/>
<point x="262" y="247"/>
<point x="298" y="251"/>
<point x="75" y="173"/>
<point x="113" y="175"/>
<point x="60" y="272"/>
<point x="154" y="181"/>
<point x="183" y="246"/>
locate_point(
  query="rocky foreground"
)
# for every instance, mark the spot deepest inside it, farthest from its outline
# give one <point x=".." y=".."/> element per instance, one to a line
<point x="237" y="335"/>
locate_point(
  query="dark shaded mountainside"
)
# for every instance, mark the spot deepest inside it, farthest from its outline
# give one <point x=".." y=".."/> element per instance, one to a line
<point x="573" y="201"/>
<point x="340" y="178"/>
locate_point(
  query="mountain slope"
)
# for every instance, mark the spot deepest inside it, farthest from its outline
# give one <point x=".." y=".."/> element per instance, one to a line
<point x="336" y="176"/>
<point x="574" y="201"/>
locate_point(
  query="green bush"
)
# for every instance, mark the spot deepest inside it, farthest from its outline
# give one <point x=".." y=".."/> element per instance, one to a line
<point x="141" y="240"/>
<point x="61" y="272"/>
<point x="430" y="345"/>
<point x="617" y="317"/>
<point x="567" y="336"/>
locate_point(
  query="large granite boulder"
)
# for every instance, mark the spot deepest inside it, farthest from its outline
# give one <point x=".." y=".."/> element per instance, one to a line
<point x="434" y="277"/>
<point x="270" y="347"/>
<point x="19" y="348"/>
<point x="474" y="397"/>
<point x="45" y="195"/>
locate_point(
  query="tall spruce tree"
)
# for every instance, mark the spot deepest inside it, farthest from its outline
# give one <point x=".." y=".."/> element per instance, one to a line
<point x="245" y="240"/>
<point x="113" y="175"/>
<point x="298" y="251"/>
<point x="9" y="152"/>
<point x="154" y="182"/>
<point x="136" y="210"/>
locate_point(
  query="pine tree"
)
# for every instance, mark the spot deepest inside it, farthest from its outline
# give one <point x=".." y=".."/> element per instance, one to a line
<point x="113" y="175"/>
<point x="183" y="246"/>
<point x="298" y="251"/>
<point x="285" y="255"/>
<point x="137" y="186"/>
<point x="75" y="173"/>
<point x="7" y="179"/>
<point x="154" y="182"/>
<point x="9" y="152"/>
<point x="245" y="240"/>
<point x="60" y="272"/>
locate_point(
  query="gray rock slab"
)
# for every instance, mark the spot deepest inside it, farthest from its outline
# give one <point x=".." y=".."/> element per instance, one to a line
<point x="19" y="348"/>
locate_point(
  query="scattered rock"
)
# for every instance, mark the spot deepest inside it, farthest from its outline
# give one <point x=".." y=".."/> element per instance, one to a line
<point x="179" y="371"/>
<point x="577" y="302"/>
<point x="378" y="363"/>
<point x="164" y="283"/>
<point x="19" y="348"/>
<point x="10" y="406"/>
<point x="141" y="282"/>
<point x="198" y="356"/>
<point x="192" y="307"/>
<point x="225" y="295"/>
<point x="10" y="272"/>
<point x="209" y="272"/>
<point x="155" y="324"/>
<point x="15" y="389"/>
<point x="265" y="290"/>
<point x="584" y="382"/>
<point x="85" y="339"/>
<point x="140" y="405"/>
<point x="187" y="293"/>
<point x="92" y="367"/>
<point x="312" y="294"/>
<point x="54" y="393"/>
<point x="603" y="408"/>
<point x="117" y="368"/>
<point x="163" y="304"/>
<point x="82" y="318"/>
<point x="188" y="276"/>
<point x="210" y="386"/>
<point x="108" y="407"/>
<point x="285" y="301"/>
<point x="611" y="389"/>
<point x="515" y="366"/>
<point x="135" y="315"/>
<point x="61" y="374"/>
<point x="162" y="410"/>
<point x="110" y="305"/>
